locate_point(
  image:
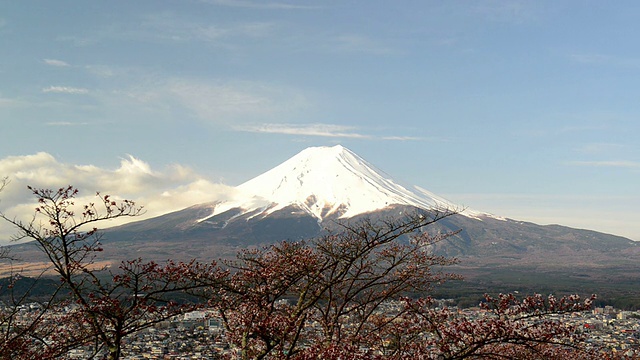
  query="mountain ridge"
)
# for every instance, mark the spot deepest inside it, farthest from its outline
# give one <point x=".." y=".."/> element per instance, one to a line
<point x="491" y="250"/>
<point x="279" y="205"/>
<point x="331" y="182"/>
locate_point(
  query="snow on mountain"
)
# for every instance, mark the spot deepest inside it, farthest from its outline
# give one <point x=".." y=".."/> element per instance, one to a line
<point x="329" y="181"/>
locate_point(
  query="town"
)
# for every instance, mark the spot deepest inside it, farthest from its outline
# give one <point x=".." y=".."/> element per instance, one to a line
<point x="201" y="335"/>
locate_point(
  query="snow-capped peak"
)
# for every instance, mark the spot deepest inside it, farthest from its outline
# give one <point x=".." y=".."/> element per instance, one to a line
<point x="326" y="181"/>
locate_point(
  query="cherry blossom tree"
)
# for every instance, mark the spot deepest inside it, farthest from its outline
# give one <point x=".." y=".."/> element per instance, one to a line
<point x="363" y="294"/>
<point x="292" y="297"/>
<point x="4" y="251"/>
<point x="23" y="323"/>
<point x="104" y="306"/>
<point x="504" y="328"/>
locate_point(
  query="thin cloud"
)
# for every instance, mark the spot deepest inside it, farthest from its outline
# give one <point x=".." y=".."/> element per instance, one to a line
<point x="402" y="138"/>
<point x="601" y="59"/>
<point x="6" y="102"/>
<point x="323" y="130"/>
<point x="571" y="123"/>
<point x="65" y="90"/>
<point x="65" y="123"/>
<point x="320" y="130"/>
<point x="513" y="11"/>
<point x="612" y="163"/>
<point x="583" y="128"/>
<point x="590" y="58"/>
<point x="57" y="63"/>
<point x="216" y="102"/>
<point x="261" y="5"/>
<point x="219" y="101"/>
<point x="103" y="71"/>
<point x="601" y="148"/>
<point x="167" y="26"/>
<point x="76" y="40"/>
<point x="360" y="43"/>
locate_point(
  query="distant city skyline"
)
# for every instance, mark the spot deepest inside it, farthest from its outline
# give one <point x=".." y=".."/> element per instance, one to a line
<point x="524" y="109"/>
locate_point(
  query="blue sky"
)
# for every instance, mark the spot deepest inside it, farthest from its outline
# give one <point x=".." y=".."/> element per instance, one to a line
<point x="526" y="109"/>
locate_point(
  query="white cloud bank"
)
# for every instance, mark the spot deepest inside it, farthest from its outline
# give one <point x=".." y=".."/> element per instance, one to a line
<point x="160" y="192"/>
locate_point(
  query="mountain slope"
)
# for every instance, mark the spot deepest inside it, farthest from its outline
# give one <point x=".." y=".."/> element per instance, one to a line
<point x="319" y="186"/>
<point x="328" y="182"/>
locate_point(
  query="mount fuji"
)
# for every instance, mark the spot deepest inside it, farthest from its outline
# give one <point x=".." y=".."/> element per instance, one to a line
<point x="328" y="182"/>
<point x="321" y="187"/>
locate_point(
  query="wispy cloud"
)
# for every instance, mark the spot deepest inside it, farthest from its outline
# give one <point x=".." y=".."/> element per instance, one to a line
<point x="79" y="40"/>
<point x="513" y="11"/>
<point x="601" y="148"/>
<point x="214" y="102"/>
<point x="261" y="4"/>
<point x="243" y="106"/>
<point x="169" y="26"/>
<point x="590" y="58"/>
<point x="65" y="90"/>
<point x="602" y="59"/>
<point x="6" y="102"/>
<point x="609" y="163"/>
<point x="571" y="124"/>
<point x="103" y="71"/>
<point x="57" y="63"/>
<point x="582" y="128"/>
<point x="360" y="43"/>
<point x="218" y="101"/>
<point x="402" y="138"/>
<point x="66" y="123"/>
<point x="324" y="130"/>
